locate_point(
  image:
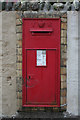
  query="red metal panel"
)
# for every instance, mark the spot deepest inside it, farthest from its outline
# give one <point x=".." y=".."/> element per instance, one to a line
<point x="41" y="83"/>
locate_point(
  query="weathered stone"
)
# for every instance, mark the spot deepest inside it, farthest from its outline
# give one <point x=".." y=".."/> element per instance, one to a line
<point x="76" y="4"/>
<point x="64" y="107"/>
<point x="41" y="7"/>
<point x="63" y="100"/>
<point x="19" y="104"/>
<point x="47" y="6"/>
<point x="19" y="29"/>
<point x="68" y="6"/>
<point x="41" y="15"/>
<point x="19" y="66"/>
<point x="63" y="70"/>
<point x="18" y="22"/>
<point x="19" y="44"/>
<point x="63" y="19"/>
<point x="64" y="26"/>
<point x="16" y="6"/>
<point x="19" y="51"/>
<point x="63" y="92"/>
<point x="64" y="33"/>
<point x="34" y="14"/>
<point x="63" y="49"/>
<point x="63" y="85"/>
<point x="8" y="63"/>
<point x="27" y="14"/>
<point x="63" y="55"/>
<point x="19" y="80"/>
<point x="49" y="15"/>
<point x="63" y="40"/>
<point x="63" y="78"/>
<point x="63" y="62"/>
<point x="58" y="6"/>
<point x="35" y="6"/>
<point x="19" y="58"/>
<point x="19" y="36"/>
<point x="29" y="6"/>
<point x="64" y="16"/>
<point x="17" y="15"/>
<point x="23" y="6"/>
<point x="3" y="5"/>
<point x="19" y="87"/>
<point x="9" y="6"/>
<point x="19" y="73"/>
<point x="19" y="95"/>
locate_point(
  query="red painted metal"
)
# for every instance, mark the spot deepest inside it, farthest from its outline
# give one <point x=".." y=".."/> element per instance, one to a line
<point x="41" y="84"/>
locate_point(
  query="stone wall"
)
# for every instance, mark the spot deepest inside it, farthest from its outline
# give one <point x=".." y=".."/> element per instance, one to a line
<point x="79" y="62"/>
<point x="19" y="53"/>
<point x="0" y="63"/>
<point x="8" y="63"/>
<point x="72" y="63"/>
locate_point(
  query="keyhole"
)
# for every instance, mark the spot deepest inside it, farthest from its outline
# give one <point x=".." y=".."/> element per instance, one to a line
<point x="29" y="77"/>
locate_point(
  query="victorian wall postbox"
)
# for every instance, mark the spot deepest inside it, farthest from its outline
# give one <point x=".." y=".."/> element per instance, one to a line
<point x="41" y="62"/>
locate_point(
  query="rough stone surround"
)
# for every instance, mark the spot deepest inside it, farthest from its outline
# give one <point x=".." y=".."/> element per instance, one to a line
<point x="19" y="53"/>
<point x="43" y="5"/>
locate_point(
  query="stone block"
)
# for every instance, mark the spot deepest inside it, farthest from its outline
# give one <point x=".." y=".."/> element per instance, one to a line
<point x="64" y="26"/>
<point x="18" y="73"/>
<point x="64" y="107"/>
<point x="63" y="85"/>
<point x="63" y="62"/>
<point x="64" y="16"/>
<point x="18" y="79"/>
<point x="63" y="100"/>
<point x="63" y="33"/>
<point x="19" y="29"/>
<point x="28" y="14"/>
<point x="63" y="20"/>
<point x="19" y="51"/>
<point x="19" y="36"/>
<point x="63" y="70"/>
<point x="18" y="14"/>
<point x="34" y="14"/>
<point x="63" y="55"/>
<point x="19" y="66"/>
<point x="63" y="92"/>
<point x="19" y="43"/>
<point x="18" y="87"/>
<point x="19" y="58"/>
<point x="19" y="95"/>
<point x="63" y="48"/>
<point x="41" y="15"/>
<point x="63" y="78"/>
<point x="63" y="40"/>
<point x="48" y="15"/>
<point x="19" y="104"/>
<point x="18" y="22"/>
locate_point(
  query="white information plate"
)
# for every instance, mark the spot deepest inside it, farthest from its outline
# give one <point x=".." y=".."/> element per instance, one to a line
<point x="41" y="57"/>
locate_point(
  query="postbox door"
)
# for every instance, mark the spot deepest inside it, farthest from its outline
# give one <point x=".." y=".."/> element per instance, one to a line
<point x="41" y="76"/>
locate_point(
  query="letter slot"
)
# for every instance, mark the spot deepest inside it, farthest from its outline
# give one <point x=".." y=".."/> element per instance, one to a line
<point x="41" y="32"/>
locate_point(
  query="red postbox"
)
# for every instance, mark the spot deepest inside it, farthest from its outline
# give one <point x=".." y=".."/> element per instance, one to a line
<point x="41" y="62"/>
